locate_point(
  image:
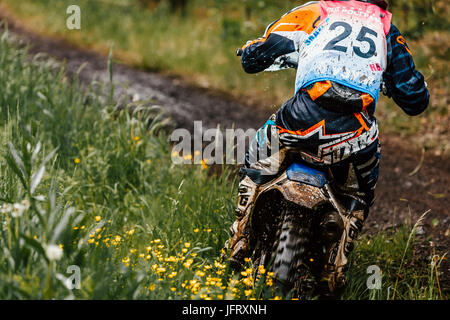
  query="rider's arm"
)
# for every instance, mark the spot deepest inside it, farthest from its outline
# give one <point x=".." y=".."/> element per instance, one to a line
<point x="260" y="54"/>
<point x="405" y="84"/>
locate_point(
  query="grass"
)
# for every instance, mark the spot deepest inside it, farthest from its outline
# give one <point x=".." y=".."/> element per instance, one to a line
<point x="404" y="279"/>
<point x="105" y="164"/>
<point x="83" y="184"/>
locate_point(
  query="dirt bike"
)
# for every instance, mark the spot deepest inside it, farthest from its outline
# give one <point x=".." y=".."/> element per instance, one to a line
<point x="296" y="219"/>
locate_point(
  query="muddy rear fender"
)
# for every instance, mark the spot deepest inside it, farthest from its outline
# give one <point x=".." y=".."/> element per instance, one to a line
<point x="300" y="193"/>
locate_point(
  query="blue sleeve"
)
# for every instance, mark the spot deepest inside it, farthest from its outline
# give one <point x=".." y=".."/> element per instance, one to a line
<point x="404" y="83"/>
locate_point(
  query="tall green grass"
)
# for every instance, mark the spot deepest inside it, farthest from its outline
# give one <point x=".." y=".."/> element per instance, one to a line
<point x="83" y="184"/>
<point x="98" y="163"/>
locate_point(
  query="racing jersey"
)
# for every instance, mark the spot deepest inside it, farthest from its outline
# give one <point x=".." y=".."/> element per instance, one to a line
<point x="302" y="26"/>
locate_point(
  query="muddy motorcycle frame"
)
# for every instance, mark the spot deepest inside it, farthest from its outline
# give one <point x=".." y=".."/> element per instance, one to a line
<point x="298" y="222"/>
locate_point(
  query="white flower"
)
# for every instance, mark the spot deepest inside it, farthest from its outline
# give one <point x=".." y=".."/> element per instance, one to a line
<point x="40" y="198"/>
<point x="6" y="208"/>
<point x="53" y="252"/>
<point x="17" y="210"/>
<point x="26" y="204"/>
<point x="136" y="97"/>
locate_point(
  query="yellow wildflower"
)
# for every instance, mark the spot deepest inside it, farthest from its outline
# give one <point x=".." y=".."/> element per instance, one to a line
<point x="171" y="259"/>
<point x="217" y="264"/>
<point x="188" y="263"/>
<point x="248" y="281"/>
<point x="204" y="165"/>
<point x="199" y="273"/>
<point x="261" y="269"/>
<point x="160" y="270"/>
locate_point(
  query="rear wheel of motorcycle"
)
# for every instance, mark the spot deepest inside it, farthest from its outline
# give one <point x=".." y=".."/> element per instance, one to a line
<point x="291" y="253"/>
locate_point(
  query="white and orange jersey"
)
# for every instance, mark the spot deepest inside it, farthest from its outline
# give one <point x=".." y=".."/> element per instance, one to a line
<point x="347" y="47"/>
<point x="294" y="25"/>
<point x="340" y="41"/>
<point x="344" y="49"/>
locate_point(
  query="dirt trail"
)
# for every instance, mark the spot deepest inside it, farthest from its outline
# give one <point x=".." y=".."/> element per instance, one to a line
<point x="401" y="195"/>
<point x="183" y="102"/>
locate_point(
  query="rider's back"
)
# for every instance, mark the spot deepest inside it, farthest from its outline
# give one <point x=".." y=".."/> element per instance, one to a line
<point x="346" y="50"/>
<point x="351" y="43"/>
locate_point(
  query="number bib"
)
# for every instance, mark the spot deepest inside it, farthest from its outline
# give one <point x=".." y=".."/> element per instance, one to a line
<point x="348" y="47"/>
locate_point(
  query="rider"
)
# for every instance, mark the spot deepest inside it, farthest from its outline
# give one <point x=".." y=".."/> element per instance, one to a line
<point x="348" y="51"/>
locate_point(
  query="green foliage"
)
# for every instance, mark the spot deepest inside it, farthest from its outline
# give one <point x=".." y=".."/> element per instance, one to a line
<point x="416" y="17"/>
<point x="390" y="252"/>
<point x="72" y="167"/>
